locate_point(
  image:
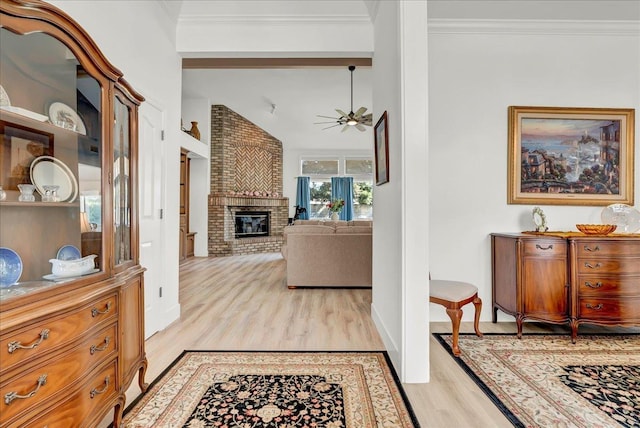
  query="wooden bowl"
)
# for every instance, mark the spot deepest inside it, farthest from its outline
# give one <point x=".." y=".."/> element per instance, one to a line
<point x="596" y="229"/>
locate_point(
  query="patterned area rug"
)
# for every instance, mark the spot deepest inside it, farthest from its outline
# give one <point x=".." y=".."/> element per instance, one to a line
<point x="546" y="381"/>
<point x="275" y="390"/>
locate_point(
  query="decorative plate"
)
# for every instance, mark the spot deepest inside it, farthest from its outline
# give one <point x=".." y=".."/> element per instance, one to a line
<point x="68" y="252"/>
<point x="65" y="117"/>
<point x="49" y="170"/>
<point x="10" y="267"/>
<point x="4" y="98"/>
<point x="624" y="216"/>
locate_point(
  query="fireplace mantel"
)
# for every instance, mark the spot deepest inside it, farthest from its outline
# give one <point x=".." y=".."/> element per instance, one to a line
<point x="247" y="201"/>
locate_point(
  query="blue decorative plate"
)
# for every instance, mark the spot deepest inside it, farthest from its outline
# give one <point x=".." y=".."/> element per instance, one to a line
<point x="68" y="252"/>
<point x="10" y="267"/>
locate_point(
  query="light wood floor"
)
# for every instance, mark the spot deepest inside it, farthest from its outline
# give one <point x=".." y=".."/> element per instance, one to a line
<point x="242" y="303"/>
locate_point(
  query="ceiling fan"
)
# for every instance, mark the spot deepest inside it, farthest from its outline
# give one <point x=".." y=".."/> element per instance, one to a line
<point x="357" y="119"/>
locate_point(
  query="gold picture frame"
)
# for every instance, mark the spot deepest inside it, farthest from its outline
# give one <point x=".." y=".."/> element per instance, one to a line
<point x="570" y="156"/>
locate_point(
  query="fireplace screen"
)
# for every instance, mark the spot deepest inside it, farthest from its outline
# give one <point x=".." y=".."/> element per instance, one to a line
<point x="251" y="224"/>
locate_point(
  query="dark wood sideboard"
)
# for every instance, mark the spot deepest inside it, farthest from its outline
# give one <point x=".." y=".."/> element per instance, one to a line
<point x="566" y="277"/>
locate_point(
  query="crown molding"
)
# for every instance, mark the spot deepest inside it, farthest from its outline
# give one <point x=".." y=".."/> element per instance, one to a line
<point x="271" y="19"/>
<point x="540" y="27"/>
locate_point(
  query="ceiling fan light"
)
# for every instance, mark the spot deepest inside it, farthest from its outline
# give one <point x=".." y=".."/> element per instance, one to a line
<point x="352" y="122"/>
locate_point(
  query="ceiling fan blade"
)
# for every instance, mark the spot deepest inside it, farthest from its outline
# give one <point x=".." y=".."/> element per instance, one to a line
<point x="366" y="119"/>
<point x="343" y="114"/>
<point x="360" y="127"/>
<point x="345" y="128"/>
<point x="327" y="117"/>
<point x="332" y="126"/>
<point x="333" y="121"/>
<point x="360" y="111"/>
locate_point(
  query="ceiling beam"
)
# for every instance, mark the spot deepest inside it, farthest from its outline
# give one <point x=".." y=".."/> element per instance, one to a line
<point x="204" y="63"/>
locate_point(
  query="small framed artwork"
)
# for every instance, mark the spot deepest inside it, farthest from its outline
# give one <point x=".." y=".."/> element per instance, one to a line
<point x="381" y="148"/>
<point x="19" y="146"/>
<point x="570" y="156"/>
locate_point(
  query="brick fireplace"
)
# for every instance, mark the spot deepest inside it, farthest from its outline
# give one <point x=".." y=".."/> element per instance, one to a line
<point x="246" y="176"/>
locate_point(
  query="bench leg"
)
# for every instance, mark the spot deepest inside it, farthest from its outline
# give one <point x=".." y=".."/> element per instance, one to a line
<point x="456" y="316"/>
<point x="477" y="302"/>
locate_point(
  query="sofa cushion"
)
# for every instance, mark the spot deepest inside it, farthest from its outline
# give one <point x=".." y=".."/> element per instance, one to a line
<point x="309" y="229"/>
<point x="353" y="229"/>
<point x="301" y="222"/>
<point x="367" y="223"/>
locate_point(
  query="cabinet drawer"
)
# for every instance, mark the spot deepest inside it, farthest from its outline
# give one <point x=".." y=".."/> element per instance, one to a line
<point x="600" y="265"/>
<point x="606" y="286"/>
<point x="100" y="390"/>
<point x="57" y="375"/>
<point x="614" y="310"/>
<point x="587" y="248"/>
<point x="545" y="247"/>
<point x="53" y="333"/>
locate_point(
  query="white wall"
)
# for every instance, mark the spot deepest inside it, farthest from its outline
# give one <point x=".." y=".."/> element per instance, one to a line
<point x="400" y="211"/>
<point x="475" y="73"/>
<point x="138" y="38"/>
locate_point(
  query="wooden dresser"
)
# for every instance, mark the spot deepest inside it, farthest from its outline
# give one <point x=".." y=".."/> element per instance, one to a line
<point x="566" y="277"/>
<point x="69" y="346"/>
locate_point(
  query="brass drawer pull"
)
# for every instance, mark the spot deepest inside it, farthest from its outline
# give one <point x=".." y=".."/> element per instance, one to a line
<point x="593" y="250"/>
<point x="96" y="391"/>
<point x="550" y="247"/>
<point x="596" y="285"/>
<point x="44" y="335"/>
<point x="10" y="396"/>
<point x="590" y="266"/>
<point x="595" y="308"/>
<point x="95" y="348"/>
<point x="95" y="312"/>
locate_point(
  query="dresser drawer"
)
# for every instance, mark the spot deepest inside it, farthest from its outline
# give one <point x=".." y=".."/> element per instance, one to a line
<point x="608" y="286"/>
<point x="613" y="310"/>
<point x="545" y="247"/>
<point x="602" y="247"/>
<point x="56" y="376"/>
<point x="600" y="265"/>
<point x="100" y="390"/>
<point x="22" y="346"/>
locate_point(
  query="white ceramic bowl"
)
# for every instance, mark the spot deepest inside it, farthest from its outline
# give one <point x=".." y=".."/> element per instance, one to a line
<point x="65" y="268"/>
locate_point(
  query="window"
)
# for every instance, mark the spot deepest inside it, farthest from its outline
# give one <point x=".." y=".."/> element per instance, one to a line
<point x="321" y="169"/>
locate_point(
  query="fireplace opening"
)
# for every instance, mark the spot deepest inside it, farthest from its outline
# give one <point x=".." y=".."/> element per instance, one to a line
<point x="251" y="224"/>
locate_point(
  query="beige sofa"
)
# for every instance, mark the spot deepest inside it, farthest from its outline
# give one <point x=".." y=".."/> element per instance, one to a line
<point x="328" y="253"/>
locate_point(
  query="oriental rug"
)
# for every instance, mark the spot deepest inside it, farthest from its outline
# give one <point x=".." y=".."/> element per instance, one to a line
<point x="546" y="381"/>
<point x="275" y="390"/>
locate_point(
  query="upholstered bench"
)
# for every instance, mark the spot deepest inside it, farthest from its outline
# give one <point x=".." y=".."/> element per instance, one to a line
<point x="453" y="295"/>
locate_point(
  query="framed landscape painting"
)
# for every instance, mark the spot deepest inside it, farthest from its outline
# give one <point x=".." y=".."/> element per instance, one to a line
<point x="381" y="150"/>
<point x="570" y="156"/>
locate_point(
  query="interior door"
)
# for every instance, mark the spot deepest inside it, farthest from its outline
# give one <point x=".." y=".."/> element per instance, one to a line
<point x="152" y="184"/>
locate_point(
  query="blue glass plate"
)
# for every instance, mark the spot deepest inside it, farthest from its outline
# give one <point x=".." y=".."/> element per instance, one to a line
<point x="10" y="267"/>
<point x="68" y="252"/>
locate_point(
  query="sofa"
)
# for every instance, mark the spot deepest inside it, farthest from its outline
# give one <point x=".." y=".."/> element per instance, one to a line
<point x="328" y="253"/>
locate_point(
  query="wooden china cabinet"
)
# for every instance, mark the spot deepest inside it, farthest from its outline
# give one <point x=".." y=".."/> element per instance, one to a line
<point x="69" y="346"/>
<point x="567" y="277"/>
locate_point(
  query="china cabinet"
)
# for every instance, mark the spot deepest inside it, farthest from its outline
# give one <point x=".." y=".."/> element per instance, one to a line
<point x="70" y="343"/>
<point x="566" y="277"/>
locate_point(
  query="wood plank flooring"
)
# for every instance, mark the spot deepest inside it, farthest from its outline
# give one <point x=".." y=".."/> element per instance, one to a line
<point x="242" y="303"/>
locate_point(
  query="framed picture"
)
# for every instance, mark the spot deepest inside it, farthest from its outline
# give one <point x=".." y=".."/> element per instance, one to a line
<point x="381" y="147"/>
<point x="19" y="146"/>
<point x="570" y="156"/>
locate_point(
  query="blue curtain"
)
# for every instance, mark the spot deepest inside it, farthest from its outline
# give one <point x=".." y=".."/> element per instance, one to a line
<point x="303" y="197"/>
<point x="342" y="188"/>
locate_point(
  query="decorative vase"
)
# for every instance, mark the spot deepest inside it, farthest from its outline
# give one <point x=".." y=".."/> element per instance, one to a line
<point x="194" y="131"/>
<point x="26" y="193"/>
<point x="335" y="216"/>
<point x="3" y="194"/>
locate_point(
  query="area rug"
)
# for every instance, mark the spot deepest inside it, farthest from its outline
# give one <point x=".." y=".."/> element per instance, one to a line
<point x="274" y="389"/>
<point x="547" y="381"/>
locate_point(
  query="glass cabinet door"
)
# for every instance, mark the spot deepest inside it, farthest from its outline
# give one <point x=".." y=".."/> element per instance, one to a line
<point x="51" y="139"/>
<point x="122" y="182"/>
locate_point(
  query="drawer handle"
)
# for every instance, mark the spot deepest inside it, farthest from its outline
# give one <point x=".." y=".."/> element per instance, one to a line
<point x="596" y="307"/>
<point x="10" y="396"/>
<point x="96" y="391"/>
<point x="13" y="346"/>
<point x="593" y="250"/>
<point x="95" y="348"/>
<point x="545" y="248"/>
<point x="95" y="312"/>
<point x="596" y="285"/>
<point x="590" y="266"/>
